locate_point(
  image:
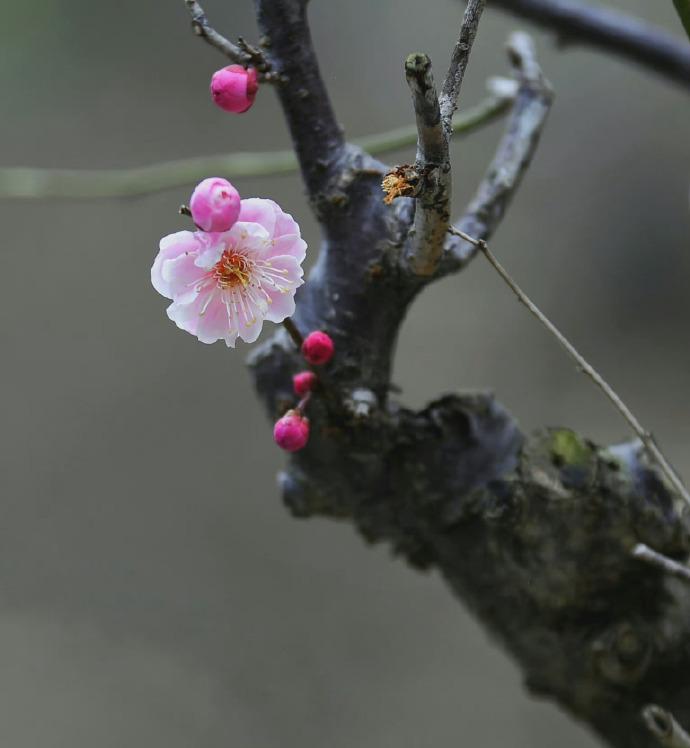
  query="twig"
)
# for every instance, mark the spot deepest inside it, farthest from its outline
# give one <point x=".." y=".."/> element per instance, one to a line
<point x="513" y="155"/>
<point x="458" y="63"/>
<point x="293" y="332"/>
<point x="664" y="727"/>
<point x="582" y="364"/>
<point x="645" y="553"/>
<point x="26" y="182"/>
<point x="203" y="29"/>
<point x="610" y="31"/>
<point x="432" y="208"/>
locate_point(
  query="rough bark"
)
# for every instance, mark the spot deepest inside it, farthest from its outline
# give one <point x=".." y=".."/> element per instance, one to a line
<point x="535" y="534"/>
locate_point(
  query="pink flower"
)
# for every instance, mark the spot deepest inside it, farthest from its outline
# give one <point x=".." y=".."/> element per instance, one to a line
<point x="234" y="88"/>
<point x="215" y="204"/>
<point x="224" y="284"/>
<point x="291" y="432"/>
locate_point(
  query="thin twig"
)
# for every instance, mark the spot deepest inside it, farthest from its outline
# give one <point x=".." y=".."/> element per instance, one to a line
<point x="664" y="727"/>
<point x="586" y="368"/>
<point x="458" y="63"/>
<point x="204" y="29"/>
<point x="27" y="182"/>
<point x="676" y="569"/>
<point x="610" y="31"/>
<point x="513" y="154"/>
<point x="293" y="332"/>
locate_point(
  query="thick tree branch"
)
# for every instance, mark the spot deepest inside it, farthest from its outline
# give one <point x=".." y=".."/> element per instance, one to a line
<point x="585" y="367"/>
<point x="458" y="63"/>
<point x="513" y="155"/>
<point x="317" y="137"/>
<point x="610" y="31"/>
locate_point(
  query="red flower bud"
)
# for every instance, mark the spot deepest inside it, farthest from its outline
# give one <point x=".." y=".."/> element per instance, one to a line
<point x="234" y="88"/>
<point x="304" y="382"/>
<point x="318" y="348"/>
<point x="291" y="432"/>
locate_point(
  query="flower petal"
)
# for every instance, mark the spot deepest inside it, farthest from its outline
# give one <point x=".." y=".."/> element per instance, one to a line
<point x="170" y="247"/>
<point x="289" y="245"/>
<point x="260" y="210"/>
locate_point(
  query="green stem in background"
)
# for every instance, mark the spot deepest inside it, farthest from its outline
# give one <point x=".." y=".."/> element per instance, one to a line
<point x="21" y="182"/>
<point x="683" y="10"/>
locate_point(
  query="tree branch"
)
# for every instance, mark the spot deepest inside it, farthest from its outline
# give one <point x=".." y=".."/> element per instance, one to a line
<point x="664" y="727"/>
<point x="513" y="155"/>
<point x="585" y="367"/>
<point x="458" y="64"/>
<point x="203" y="28"/>
<point x="668" y="565"/>
<point x="317" y="137"/>
<point x="610" y="31"/>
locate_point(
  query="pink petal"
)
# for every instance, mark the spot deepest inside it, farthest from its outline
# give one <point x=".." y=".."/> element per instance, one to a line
<point x="261" y="211"/>
<point x="285" y="225"/>
<point x="171" y="246"/>
<point x="182" y="276"/>
<point x="289" y="245"/>
<point x="281" y="307"/>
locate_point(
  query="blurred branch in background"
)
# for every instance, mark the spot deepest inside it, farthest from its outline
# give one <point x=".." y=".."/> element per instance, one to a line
<point x="612" y="32"/>
<point x="24" y="182"/>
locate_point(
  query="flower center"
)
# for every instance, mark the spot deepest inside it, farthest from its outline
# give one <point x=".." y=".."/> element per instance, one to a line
<point x="232" y="270"/>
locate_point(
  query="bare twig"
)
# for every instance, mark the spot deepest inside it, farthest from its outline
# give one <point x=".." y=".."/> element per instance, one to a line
<point x="433" y="192"/>
<point x="458" y="63"/>
<point x="664" y="727"/>
<point x="610" y="31"/>
<point x="26" y="182"/>
<point x="645" y="553"/>
<point x="203" y="29"/>
<point x="513" y="155"/>
<point x="432" y="211"/>
<point x="583" y="365"/>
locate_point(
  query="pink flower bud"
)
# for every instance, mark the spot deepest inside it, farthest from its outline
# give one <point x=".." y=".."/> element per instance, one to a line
<point x="291" y="432"/>
<point x="215" y="205"/>
<point x="304" y="382"/>
<point x="234" y="88"/>
<point x="318" y="348"/>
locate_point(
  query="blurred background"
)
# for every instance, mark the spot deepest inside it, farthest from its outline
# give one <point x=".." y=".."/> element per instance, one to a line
<point x="153" y="590"/>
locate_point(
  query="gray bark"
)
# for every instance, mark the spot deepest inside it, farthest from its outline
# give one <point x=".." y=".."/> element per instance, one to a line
<point x="535" y="534"/>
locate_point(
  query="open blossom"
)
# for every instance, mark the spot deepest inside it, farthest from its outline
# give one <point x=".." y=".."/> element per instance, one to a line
<point x="224" y="284"/>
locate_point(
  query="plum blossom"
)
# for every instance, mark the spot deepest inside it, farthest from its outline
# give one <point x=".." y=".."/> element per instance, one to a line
<point x="215" y="204"/>
<point x="234" y="88"/>
<point x="223" y="285"/>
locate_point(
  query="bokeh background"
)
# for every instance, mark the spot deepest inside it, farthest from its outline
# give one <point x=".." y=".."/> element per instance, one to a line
<point x="153" y="590"/>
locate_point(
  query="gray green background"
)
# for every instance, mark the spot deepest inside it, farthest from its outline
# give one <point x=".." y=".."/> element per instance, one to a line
<point x="153" y="590"/>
